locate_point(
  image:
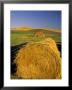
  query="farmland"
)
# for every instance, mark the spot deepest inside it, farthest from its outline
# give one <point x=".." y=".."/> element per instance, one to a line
<point x="21" y="36"/>
<point x="20" y="39"/>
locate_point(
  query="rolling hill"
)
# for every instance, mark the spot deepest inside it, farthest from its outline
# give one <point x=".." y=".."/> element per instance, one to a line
<point x="25" y="34"/>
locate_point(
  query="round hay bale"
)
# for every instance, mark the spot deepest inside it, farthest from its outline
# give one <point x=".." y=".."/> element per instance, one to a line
<point x="39" y="61"/>
<point x="40" y="34"/>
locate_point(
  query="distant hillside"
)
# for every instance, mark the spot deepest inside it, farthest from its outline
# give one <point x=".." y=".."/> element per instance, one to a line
<point x="25" y="29"/>
<point x="22" y="28"/>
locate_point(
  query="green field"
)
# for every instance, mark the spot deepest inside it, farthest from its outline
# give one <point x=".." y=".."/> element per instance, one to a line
<point x="18" y="37"/>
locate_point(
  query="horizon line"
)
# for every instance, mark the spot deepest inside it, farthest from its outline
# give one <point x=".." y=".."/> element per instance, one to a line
<point x="36" y="28"/>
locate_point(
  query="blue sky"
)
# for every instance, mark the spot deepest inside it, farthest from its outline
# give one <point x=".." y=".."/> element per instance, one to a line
<point x="36" y="19"/>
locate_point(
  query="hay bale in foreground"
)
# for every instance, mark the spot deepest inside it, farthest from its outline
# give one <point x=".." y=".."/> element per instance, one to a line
<point x="39" y="61"/>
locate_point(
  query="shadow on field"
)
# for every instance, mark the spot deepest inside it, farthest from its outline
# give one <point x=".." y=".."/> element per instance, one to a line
<point x="15" y="49"/>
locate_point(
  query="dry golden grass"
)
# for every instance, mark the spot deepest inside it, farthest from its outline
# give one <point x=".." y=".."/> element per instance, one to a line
<point x="39" y="61"/>
<point x="21" y="28"/>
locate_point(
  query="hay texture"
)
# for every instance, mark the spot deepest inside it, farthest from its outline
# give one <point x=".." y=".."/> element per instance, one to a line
<point x="39" y="61"/>
<point x="39" y="34"/>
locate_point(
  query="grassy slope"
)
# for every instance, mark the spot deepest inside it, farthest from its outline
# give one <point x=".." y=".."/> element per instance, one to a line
<point x="18" y="37"/>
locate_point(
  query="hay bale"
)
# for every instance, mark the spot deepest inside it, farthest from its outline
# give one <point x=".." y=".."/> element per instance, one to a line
<point x="40" y="34"/>
<point x="39" y="61"/>
<point x="52" y="44"/>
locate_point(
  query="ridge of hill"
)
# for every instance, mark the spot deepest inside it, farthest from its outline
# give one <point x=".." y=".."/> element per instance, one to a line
<point x="27" y="29"/>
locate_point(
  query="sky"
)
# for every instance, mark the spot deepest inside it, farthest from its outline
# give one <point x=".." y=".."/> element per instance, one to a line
<point x="36" y="19"/>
